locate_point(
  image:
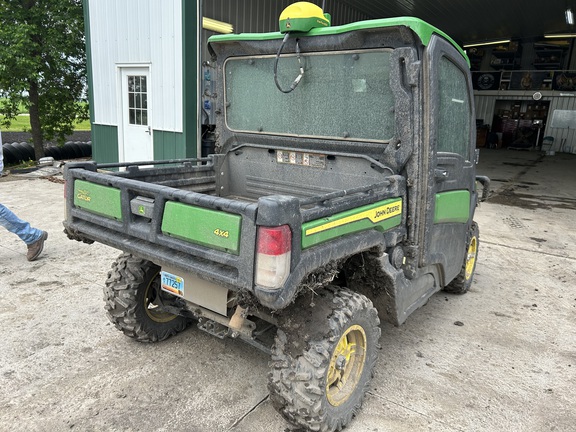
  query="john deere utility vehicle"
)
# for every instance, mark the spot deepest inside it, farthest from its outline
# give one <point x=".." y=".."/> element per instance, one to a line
<point x="342" y="193"/>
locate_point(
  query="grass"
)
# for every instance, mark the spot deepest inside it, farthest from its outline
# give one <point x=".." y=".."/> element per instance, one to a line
<point x="22" y="124"/>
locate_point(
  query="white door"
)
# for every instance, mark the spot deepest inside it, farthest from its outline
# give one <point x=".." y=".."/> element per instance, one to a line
<point x="136" y="137"/>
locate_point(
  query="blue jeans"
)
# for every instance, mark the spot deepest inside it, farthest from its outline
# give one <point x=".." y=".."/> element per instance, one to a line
<point x="19" y="227"/>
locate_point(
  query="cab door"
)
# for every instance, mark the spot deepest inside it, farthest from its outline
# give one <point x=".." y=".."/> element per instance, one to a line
<point x="451" y="194"/>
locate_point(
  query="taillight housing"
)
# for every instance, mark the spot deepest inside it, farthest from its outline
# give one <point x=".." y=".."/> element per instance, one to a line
<point x="273" y="254"/>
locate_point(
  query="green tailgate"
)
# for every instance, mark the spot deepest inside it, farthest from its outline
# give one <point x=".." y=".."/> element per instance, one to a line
<point x="381" y="216"/>
<point x="98" y="199"/>
<point x="212" y="228"/>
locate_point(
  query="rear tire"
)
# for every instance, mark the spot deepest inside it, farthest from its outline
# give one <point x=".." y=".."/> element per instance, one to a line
<point x="132" y="293"/>
<point x="323" y="359"/>
<point x="462" y="283"/>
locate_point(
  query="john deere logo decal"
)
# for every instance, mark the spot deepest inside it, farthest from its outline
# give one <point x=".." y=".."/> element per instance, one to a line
<point x="141" y="209"/>
<point x="374" y="215"/>
<point x="386" y="211"/>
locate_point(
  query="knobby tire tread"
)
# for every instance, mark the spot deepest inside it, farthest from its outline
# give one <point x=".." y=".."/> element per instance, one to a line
<point x="297" y="386"/>
<point x="125" y="309"/>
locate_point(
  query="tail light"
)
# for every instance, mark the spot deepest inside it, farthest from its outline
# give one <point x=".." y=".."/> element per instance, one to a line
<point x="273" y="252"/>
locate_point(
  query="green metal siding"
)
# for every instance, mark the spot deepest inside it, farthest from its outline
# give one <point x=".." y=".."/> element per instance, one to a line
<point x="104" y="143"/>
<point x="168" y="145"/>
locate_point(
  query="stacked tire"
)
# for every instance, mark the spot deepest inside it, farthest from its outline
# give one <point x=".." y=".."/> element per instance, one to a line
<point x="16" y="153"/>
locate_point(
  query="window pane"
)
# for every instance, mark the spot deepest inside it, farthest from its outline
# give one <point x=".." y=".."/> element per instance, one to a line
<point x="454" y="117"/>
<point x="341" y="95"/>
<point x="137" y="100"/>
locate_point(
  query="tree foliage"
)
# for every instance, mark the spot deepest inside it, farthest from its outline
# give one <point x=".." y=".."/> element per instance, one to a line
<point x="43" y="66"/>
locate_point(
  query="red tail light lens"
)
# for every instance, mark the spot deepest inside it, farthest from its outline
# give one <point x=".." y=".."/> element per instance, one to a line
<point x="274" y="240"/>
<point x="273" y="253"/>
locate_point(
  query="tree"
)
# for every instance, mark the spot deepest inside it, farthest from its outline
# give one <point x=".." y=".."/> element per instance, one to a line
<point x="43" y="66"/>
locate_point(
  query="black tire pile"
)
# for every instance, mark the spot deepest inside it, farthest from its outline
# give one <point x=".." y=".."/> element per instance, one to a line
<point x="16" y="153"/>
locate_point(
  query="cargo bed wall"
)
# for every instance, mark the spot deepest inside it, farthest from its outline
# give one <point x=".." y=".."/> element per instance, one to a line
<point x="251" y="172"/>
<point x="188" y="176"/>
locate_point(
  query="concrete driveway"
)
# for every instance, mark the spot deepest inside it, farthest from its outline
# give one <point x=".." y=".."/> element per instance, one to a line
<point x="511" y="366"/>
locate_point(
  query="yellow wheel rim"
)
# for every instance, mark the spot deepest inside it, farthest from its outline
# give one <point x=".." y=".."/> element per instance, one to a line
<point x="471" y="257"/>
<point x="153" y="291"/>
<point x="346" y="365"/>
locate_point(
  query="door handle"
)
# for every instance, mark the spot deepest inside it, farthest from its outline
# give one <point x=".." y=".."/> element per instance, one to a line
<point x="440" y="175"/>
<point x="148" y="131"/>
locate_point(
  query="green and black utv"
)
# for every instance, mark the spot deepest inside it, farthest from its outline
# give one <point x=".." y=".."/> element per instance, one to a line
<point x="342" y="193"/>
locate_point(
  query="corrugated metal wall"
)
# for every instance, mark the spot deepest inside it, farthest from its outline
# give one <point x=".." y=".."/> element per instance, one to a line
<point x="137" y="32"/>
<point x="260" y="16"/>
<point x="485" y="105"/>
<point x="257" y="16"/>
<point x="564" y="139"/>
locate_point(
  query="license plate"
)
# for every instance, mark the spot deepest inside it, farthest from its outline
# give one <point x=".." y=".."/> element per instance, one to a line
<point x="172" y="283"/>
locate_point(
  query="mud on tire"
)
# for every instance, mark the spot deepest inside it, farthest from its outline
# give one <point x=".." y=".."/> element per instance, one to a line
<point x="323" y="359"/>
<point x="462" y="283"/>
<point x="132" y="293"/>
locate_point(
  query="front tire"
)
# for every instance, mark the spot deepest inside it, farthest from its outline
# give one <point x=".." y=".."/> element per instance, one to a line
<point x="132" y="294"/>
<point x="323" y="359"/>
<point x="462" y="283"/>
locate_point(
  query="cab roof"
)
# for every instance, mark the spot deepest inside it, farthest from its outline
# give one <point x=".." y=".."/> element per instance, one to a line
<point x="421" y="28"/>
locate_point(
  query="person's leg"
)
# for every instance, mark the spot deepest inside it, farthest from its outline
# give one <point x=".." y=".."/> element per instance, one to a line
<point x="22" y="229"/>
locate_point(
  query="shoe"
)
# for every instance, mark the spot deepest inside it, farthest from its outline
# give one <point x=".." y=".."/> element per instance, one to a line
<point x="35" y="249"/>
